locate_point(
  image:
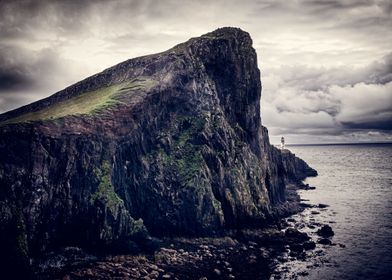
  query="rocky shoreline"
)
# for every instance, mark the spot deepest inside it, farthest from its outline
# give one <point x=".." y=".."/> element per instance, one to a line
<point x="241" y="254"/>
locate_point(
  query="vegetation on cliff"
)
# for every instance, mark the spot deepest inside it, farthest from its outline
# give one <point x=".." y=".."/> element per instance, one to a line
<point x="91" y="102"/>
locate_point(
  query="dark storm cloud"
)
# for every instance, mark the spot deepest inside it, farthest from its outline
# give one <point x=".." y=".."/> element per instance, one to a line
<point x="381" y="125"/>
<point x="24" y="70"/>
<point x="26" y="76"/>
<point x="14" y="74"/>
<point x="12" y="79"/>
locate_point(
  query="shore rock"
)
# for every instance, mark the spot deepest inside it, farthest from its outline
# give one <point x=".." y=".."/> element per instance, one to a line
<point x="293" y="233"/>
<point x="325" y="231"/>
<point x="321" y="205"/>
<point x="324" y="241"/>
<point x="309" y="245"/>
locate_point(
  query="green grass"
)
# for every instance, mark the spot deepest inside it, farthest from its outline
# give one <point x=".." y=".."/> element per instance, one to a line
<point x="91" y="102"/>
<point x="105" y="192"/>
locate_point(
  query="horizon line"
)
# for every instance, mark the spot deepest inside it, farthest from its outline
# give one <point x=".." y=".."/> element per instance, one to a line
<point x="338" y="143"/>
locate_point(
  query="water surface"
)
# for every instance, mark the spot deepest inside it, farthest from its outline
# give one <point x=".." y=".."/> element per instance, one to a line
<point x="356" y="182"/>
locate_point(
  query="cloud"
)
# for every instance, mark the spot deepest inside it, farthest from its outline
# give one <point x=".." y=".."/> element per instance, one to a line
<point x="356" y="112"/>
<point x="26" y="76"/>
<point x="326" y="65"/>
<point x="335" y="101"/>
<point x="18" y="70"/>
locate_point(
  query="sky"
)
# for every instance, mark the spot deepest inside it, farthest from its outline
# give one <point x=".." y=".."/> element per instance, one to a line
<point x="326" y="66"/>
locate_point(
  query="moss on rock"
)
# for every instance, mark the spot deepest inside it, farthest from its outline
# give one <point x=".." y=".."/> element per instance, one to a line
<point x="105" y="192"/>
<point x="185" y="157"/>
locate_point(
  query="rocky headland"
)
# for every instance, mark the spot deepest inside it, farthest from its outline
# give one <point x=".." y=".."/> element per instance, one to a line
<point x="156" y="168"/>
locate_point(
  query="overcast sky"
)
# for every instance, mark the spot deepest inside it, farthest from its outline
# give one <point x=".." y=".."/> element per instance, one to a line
<point x="326" y="65"/>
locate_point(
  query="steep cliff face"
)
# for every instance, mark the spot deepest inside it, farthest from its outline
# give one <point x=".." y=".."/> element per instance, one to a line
<point x="166" y="144"/>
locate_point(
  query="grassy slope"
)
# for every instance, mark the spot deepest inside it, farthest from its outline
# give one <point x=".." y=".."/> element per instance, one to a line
<point x="90" y="102"/>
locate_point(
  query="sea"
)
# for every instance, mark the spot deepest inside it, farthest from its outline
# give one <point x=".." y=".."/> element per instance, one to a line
<point x="355" y="181"/>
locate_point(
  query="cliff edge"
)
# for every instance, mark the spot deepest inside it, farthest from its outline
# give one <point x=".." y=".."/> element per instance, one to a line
<point x="161" y="145"/>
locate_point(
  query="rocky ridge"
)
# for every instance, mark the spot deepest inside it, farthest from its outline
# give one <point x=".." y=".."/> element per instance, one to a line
<point x="169" y="144"/>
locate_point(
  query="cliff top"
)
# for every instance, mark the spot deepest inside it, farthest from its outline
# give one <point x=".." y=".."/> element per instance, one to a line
<point x="107" y="89"/>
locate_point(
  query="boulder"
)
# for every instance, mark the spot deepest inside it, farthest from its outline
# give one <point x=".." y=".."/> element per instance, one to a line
<point x="325" y="231"/>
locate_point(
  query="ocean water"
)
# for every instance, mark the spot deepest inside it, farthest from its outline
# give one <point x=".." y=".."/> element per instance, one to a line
<point x="356" y="182"/>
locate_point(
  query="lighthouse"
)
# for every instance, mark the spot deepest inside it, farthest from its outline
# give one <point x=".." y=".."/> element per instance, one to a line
<point x="282" y="143"/>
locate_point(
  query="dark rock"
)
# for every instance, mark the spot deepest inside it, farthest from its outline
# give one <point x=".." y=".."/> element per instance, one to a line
<point x="296" y="234"/>
<point x="303" y="273"/>
<point x="299" y="169"/>
<point x="324" y="241"/>
<point x="309" y="245"/>
<point x="55" y="262"/>
<point x="217" y="272"/>
<point x="323" y="205"/>
<point x="164" y="144"/>
<point x="282" y="224"/>
<point x="296" y="247"/>
<point x="306" y="187"/>
<point x="301" y="256"/>
<point x="154" y="274"/>
<point x="264" y="252"/>
<point x="325" y="231"/>
<point x="306" y="205"/>
<point x="300" y="225"/>
<point x="283" y="259"/>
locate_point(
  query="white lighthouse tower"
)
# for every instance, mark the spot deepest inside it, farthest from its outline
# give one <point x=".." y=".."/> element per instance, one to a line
<point x="282" y="143"/>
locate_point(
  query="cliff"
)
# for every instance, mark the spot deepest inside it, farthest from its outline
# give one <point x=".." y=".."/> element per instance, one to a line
<point x="165" y="144"/>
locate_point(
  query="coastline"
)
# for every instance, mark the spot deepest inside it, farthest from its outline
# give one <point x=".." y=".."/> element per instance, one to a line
<point x="170" y="159"/>
<point x="239" y="254"/>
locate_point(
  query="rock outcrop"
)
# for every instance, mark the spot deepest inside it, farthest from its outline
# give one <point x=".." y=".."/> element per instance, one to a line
<point x="165" y="144"/>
